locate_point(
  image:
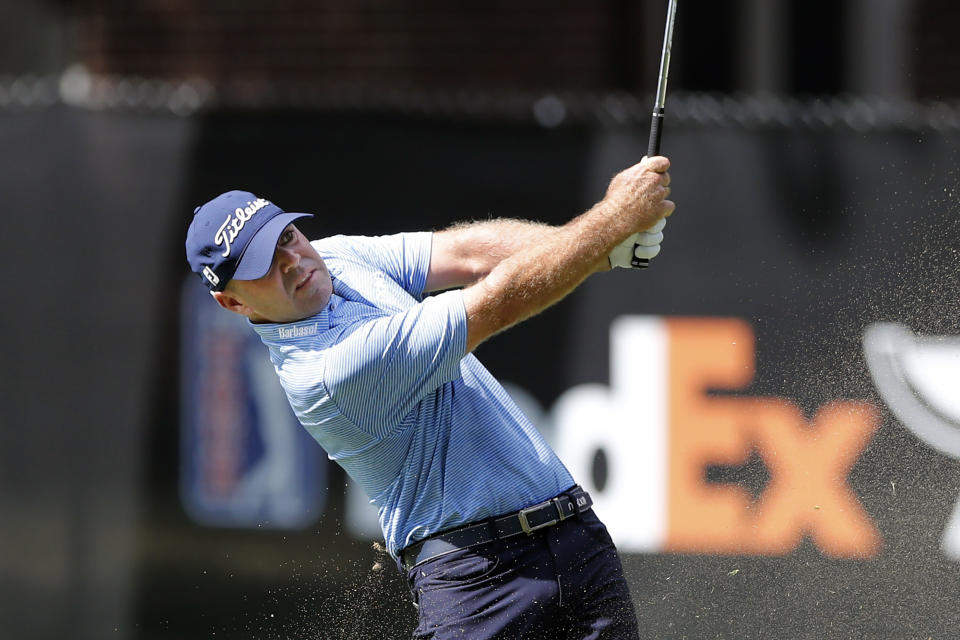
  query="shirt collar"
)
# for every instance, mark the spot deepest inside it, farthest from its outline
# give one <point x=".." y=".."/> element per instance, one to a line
<point x="315" y="324"/>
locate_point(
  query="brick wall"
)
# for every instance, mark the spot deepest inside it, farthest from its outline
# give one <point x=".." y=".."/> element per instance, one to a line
<point x="478" y="45"/>
<point x="936" y="65"/>
<point x="402" y="44"/>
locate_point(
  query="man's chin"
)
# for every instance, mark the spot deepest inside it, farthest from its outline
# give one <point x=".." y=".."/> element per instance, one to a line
<point x="312" y="307"/>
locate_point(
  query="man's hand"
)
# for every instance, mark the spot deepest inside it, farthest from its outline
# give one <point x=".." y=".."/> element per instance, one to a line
<point x="643" y="244"/>
<point x="545" y="271"/>
<point x="636" y="198"/>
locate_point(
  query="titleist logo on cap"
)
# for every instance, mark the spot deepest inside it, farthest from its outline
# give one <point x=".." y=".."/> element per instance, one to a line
<point x="228" y="231"/>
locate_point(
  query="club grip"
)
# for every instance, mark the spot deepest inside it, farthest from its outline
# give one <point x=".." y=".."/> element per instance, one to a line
<point x="653" y="149"/>
<point x="656" y="127"/>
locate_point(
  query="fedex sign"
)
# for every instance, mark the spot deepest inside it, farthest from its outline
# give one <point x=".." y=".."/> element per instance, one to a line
<point x="658" y="430"/>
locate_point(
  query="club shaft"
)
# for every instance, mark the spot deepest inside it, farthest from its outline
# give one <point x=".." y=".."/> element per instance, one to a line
<point x="656" y="124"/>
<point x="659" y="108"/>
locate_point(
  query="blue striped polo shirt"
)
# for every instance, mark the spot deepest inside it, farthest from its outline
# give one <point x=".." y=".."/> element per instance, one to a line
<point x="381" y="380"/>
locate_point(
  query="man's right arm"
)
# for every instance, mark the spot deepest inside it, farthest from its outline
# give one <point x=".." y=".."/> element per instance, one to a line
<point x="537" y="276"/>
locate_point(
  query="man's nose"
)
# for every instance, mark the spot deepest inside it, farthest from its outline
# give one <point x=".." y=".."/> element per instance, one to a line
<point x="287" y="259"/>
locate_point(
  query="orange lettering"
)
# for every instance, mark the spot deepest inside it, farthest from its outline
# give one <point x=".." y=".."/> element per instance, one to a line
<point x="808" y="491"/>
<point x="704" y="354"/>
<point x="808" y="465"/>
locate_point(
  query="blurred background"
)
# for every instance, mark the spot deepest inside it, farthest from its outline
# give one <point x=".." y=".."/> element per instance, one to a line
<point x="153" y="483"/>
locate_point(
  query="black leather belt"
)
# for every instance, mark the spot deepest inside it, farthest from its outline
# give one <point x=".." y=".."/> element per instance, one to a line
<point x="540" y="516"/>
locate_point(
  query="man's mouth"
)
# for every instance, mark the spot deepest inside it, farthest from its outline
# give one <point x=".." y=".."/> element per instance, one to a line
<point x="306" y="277"/>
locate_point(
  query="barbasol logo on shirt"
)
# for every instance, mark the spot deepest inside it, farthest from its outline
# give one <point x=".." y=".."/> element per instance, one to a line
<point x="232" y="226"/>
<point x="297" y="332"/>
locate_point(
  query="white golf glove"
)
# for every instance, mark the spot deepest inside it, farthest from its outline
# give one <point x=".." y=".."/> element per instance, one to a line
<point x="643" y="244"/>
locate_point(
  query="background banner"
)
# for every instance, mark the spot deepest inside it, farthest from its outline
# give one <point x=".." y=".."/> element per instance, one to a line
<point x="718" y="406"/>
<point x="768" y="468"/>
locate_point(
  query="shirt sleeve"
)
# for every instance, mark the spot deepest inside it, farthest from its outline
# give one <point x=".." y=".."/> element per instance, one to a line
<point x="385" y="366"/>
<point x="403" y="257"/>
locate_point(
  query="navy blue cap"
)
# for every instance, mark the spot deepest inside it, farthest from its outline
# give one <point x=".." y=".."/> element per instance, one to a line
<point x="233" y="237"/>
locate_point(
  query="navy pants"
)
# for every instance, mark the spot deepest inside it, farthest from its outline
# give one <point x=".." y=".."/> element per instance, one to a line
<point x="564" y="582"/>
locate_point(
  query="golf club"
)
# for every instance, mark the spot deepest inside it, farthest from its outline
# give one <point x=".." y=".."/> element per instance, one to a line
<point x="659" y="108"/>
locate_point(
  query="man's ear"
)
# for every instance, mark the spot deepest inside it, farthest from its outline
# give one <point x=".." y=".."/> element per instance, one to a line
<point x="231" y="303"/>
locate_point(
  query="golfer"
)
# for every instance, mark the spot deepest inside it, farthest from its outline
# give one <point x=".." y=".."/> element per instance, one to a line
<point x="495" y="537"/>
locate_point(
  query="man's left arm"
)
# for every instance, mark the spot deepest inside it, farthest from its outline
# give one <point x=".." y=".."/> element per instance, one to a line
<point x="466" y="252"/>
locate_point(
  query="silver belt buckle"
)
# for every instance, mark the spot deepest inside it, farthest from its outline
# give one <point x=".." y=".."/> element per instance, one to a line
<point x="525" y="525"/>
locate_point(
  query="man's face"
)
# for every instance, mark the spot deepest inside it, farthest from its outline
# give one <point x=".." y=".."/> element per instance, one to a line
<point x="297" y="286"/>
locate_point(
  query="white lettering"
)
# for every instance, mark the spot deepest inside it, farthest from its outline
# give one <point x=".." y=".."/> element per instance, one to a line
<point x="232" y="226"/>
<point x="297" y="332"/>
<point x="628" y="423"/>
<point x="211" y="276"/>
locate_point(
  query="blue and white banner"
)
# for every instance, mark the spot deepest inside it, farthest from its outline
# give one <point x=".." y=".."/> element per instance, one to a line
<point x="245" y="460"/>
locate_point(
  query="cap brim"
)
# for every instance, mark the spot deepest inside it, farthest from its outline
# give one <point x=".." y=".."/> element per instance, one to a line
<point x="258" y="256"/>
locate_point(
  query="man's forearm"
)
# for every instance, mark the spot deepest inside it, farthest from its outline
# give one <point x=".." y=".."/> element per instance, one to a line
<point x="538" y="275"/>
<point x="550" y="266"/>
<point x="468" y="251"/>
